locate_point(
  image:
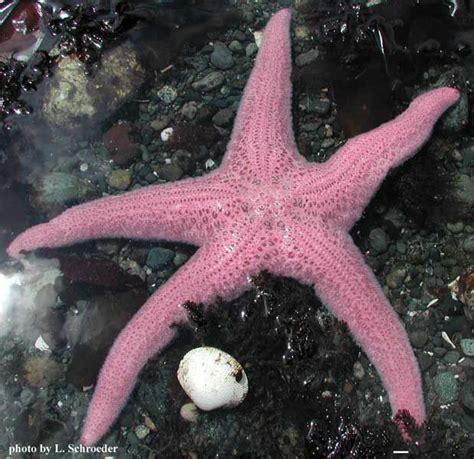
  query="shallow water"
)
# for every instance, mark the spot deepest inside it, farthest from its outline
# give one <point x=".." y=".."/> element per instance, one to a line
<point x="98" y="126"/>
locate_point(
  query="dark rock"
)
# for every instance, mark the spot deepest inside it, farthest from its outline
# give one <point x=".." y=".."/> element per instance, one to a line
<point x="223" y="117"/>
<point x="221" y="57"/>
<point x="236" y="47"/>
<point x="378" y="240"/>
<point x="100" y="272"/>
<point x="57" y="189"/>
<point x="446" y="387"/>
<point x="118" y="141"/>
<point x="466" y="396"/>
<point x="468" y="244"/>
<point x="210" y="82"/>
<point x="307" y="58"/>
<point x="170" y="172"/>
<point x="189" y="110"/>
<point x="419" y="338"/>
<point x="159" y="257"/>
<point x="251" y="50"/>
<point x="184" y="160"/>
<point x="395" y="277"/>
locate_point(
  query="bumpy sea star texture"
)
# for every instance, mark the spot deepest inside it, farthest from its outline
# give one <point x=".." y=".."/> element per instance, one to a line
<point x="265" y="208"/>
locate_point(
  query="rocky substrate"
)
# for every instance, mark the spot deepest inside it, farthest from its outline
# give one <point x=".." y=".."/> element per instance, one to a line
<point x="311" y="388"/>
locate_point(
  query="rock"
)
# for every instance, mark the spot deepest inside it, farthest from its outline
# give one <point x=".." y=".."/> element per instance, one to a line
<point x="468" y="156"/>
<point x="223" y="117"/>
<point x="395" y="217"/>
<point x="100" y="272"/>
<point x="119" y="179"/>
<point x="302" y="32"/>
<point x="167" y="94"/>
<point x="169" y="172"/>
<point x="159" y="257"/>
<point x="313" y="104"/>
<point x="236" y="47"/>
<point x="416" y="253"/>
<point x="395" y="277"/>
<point x="378" y="240"/>
<point x="467" y="346"/>
<point x="465" y="190"/>
<point x="452" y="357"/>
<point x="42" y="371"/>
<point x="118" y="141"/>
<point x="358" y="371"/>
<point x="179" y="259"/>
<point x="455" y="228"/>
<point x="307" y="58"/>
<point x="251" y="49"/>
<point x="141" y="431"/>
<point x="210" y="82"/>
<point x="184" y="160"/>
<point x="160" y="123"/>
<point x="189" y="110"/>
<point x="74" y="98"/>
<point x="221" y="57"/>
<point x="425" y="360"/>
<point x="57" y="189"/>
<point x="466" y="396"/>
<point x="468" y="244"/>
<point x="26" y="396"/>
<point x="419" y="338"/>
<point x="239" y="35"/>
<point x="446" y="387"/>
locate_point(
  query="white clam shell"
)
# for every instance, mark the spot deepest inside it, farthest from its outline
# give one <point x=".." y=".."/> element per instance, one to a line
<point x="212" y="378"/>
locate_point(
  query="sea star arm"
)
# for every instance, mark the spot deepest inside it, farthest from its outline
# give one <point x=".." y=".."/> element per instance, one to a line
<point x="345" y="284"/>
<point x="262" y="135"/>
<point x="187" y="211"/>
<point x="216" y="270"/>
<point x="353" y="174"/>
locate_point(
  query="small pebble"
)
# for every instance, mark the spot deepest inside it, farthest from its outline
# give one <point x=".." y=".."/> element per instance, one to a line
<point x="358" y="371"/>
<point x="378" y="240"/>
<point x="468" y="244"/>
<point x="446" y="387"/>
<point x="251" y="49"/>
<point x="211" y="81"/>
<point x="159" y="257"/>
<point x="467" y="346"/>
<point x="307" y="58"/>
<point x="167" y="94"/>
<point x="419" y="338"/>
<point x="119" y="179"/>
<point x="142" y="431"/>
<point x="189" y="412"/>
<point x="221" y="57"/>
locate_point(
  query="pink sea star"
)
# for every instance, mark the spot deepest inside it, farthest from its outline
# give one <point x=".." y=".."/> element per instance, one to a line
<point x="265" y="208"/>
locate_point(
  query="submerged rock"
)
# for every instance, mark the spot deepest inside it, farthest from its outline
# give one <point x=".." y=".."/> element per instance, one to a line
<point x="58" y="189"/>
<point x="73" y="98"/>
